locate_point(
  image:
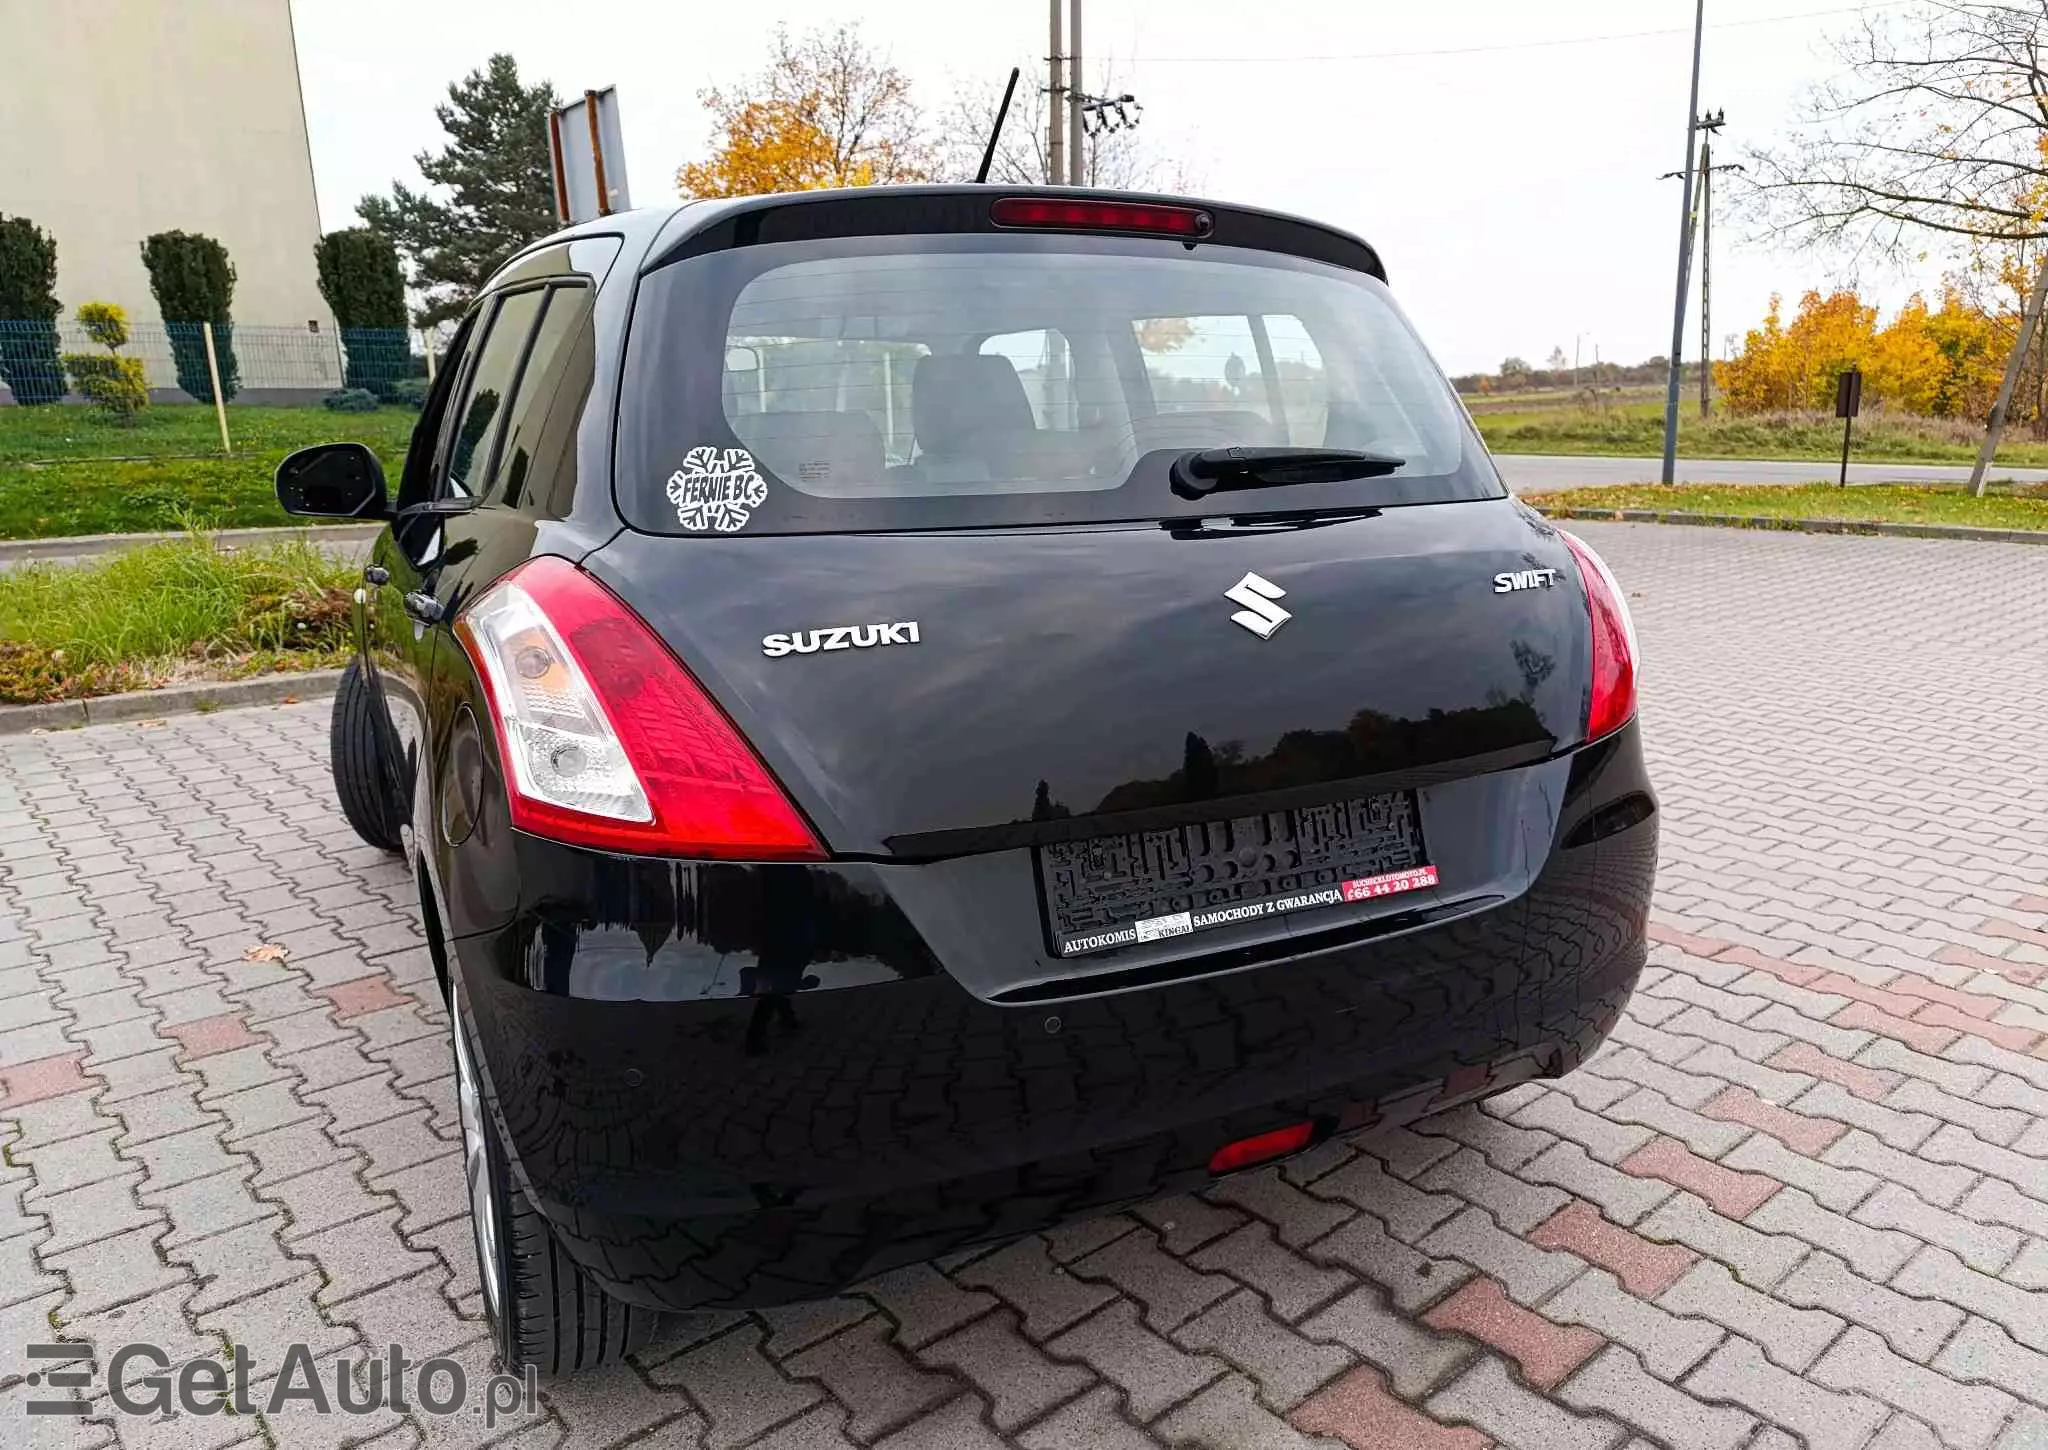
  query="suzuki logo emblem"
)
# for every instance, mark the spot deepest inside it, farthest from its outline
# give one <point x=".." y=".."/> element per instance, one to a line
<point x="1260" y="614"/>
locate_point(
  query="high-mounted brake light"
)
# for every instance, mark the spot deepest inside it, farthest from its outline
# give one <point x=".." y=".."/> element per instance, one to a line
<point x="1056" y="213"/>
<point x="1613" y="702"/>
<point x="607" y="741"/>
<point x="1263" y="1148"/>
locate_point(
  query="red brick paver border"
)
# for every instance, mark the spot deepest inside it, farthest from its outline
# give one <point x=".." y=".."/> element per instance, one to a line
<point x="1796" y="1131"/>
<point x="1864" y="1082"/>
<point x="1732" y="1193"/>
<point x="1644" y="1267"/>
<point x="1547" y="1352"/>
<point x="362" y="996"/>
<point x="209" y="1035"/>
<point x="44" y="1078"/>
<point x="1359" y="1410"/>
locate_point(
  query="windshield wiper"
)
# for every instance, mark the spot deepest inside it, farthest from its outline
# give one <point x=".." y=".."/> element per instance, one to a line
<point x="1210" y="470"/>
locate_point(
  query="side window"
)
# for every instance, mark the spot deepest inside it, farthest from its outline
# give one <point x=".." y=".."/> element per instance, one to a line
<point x="564" y="315"/>
<point x="479" y="419"/>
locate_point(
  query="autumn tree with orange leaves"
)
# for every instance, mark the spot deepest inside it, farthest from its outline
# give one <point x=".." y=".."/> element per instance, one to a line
<point x="1934" y="362"/>
<point x="828" y="110"/>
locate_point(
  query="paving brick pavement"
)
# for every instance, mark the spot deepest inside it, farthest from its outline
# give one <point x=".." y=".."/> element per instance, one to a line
<point x="1802" y="1197"/>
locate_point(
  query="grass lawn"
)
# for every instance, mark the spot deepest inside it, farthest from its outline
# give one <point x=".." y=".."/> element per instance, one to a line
<point x="2004" y="506"/>
<point x="1636" y="430"/>
<point x="169" y="612"/>
<point x="67" y="470"/>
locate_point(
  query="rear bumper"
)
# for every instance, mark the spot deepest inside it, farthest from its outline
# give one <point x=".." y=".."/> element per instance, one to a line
<point x="767" y="1114"/>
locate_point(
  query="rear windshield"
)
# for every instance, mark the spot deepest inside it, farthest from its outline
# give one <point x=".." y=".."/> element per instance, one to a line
<point x="975" y="381"/>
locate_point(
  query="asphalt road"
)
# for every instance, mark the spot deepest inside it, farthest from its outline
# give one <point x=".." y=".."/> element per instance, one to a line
<point x="1534" y="473"/>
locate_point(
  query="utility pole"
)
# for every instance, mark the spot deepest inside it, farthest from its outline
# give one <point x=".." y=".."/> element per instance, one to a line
<point x="1077" y="170"/>
<point x="1056" y="113"/>
<point x="1704" y="224"/>
<point x="1692" y="106"/>
<point x="1710" y="126"/>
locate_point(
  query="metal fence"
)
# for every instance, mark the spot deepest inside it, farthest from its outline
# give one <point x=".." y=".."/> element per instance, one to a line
<point x="257" y="363"/>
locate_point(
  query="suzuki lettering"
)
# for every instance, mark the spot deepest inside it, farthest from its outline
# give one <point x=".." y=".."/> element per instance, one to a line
<point x="1260" y="614"/>
<point x="843" y="636"/>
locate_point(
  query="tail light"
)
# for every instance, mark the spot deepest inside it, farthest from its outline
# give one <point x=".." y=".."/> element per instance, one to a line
<point x="607" y="740"/>
<point x="1613" y="702"/>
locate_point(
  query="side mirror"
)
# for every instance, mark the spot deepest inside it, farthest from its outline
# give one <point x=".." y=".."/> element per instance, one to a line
<point x="742" y="360"/>
<point x="333" y="481"/>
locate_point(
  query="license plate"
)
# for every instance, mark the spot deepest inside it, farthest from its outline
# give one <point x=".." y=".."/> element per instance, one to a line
<point x="1112" y="891"/>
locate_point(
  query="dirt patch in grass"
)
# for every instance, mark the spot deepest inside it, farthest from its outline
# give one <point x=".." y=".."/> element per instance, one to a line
<point x="171" y="612"/>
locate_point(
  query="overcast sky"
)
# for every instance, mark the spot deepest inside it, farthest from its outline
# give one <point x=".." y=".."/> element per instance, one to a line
<point x="1502" y="156"/>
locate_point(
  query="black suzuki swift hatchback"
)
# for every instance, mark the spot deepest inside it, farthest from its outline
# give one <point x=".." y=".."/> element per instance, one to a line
<point x="919" y="713"/>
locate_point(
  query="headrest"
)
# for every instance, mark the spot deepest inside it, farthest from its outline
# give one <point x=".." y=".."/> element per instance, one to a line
<point x="956" y="398"/>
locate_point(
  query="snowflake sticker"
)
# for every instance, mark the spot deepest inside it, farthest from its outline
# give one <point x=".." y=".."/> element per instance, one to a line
<point x="716" y="490"/>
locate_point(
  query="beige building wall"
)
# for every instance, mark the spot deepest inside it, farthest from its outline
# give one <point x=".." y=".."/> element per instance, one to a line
<point x="119" y="118"/>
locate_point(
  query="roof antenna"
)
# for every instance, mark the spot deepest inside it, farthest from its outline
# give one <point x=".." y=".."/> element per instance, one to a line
<point x="988" y="157"/>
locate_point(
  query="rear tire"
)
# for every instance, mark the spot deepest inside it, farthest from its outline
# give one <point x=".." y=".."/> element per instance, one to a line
<point x="359" y="779"/>
<point x="544" y="1310"/>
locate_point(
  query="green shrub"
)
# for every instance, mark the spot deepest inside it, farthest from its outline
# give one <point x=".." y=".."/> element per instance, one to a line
<point x="361" y="280"/>
<point x="194" y="284"/>
<point x="105" y="323"/>
<point x="28" y="313"/>
<point x="112" y="383"/>
<point x="350" y="400"/>
<point x="410" y="393"/>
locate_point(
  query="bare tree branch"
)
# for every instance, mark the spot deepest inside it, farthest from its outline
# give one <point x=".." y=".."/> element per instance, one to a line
<point x="1939" y="126"/>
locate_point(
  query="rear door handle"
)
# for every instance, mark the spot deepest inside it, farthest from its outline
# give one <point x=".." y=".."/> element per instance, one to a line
<point x="423" y="607"/>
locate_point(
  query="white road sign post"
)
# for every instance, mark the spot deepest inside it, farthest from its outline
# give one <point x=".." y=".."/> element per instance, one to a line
<point x="589" y="153"/>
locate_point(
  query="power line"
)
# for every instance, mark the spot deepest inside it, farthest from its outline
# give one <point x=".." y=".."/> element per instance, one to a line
<point x="1511" y="45"/>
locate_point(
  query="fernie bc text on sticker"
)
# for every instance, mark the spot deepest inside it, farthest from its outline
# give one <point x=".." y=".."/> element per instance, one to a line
<point x="716" y="490"/>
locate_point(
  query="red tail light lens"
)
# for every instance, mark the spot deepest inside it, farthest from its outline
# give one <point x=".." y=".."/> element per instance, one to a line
<point x="1248" y="1152"/>
<point x="1613" y="703"/>
<point x="606" y="739"/>
<point x="1105" y="216"/>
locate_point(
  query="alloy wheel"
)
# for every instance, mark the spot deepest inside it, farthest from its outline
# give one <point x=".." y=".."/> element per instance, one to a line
<point x="483" y="1210"/>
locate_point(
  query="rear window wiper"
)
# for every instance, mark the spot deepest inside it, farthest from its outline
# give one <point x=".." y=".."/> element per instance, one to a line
<point x="1205" y="471"/>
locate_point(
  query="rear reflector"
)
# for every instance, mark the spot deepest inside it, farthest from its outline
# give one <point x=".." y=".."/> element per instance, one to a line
<point x="1613" y="701"/>
<point x="1104" y="216"/>
<point x="1247" y="1152"/>
<point x="606" y="740"/>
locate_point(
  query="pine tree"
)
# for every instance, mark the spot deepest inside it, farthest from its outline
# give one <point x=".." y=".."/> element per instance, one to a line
<point x="497" y="180"/>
